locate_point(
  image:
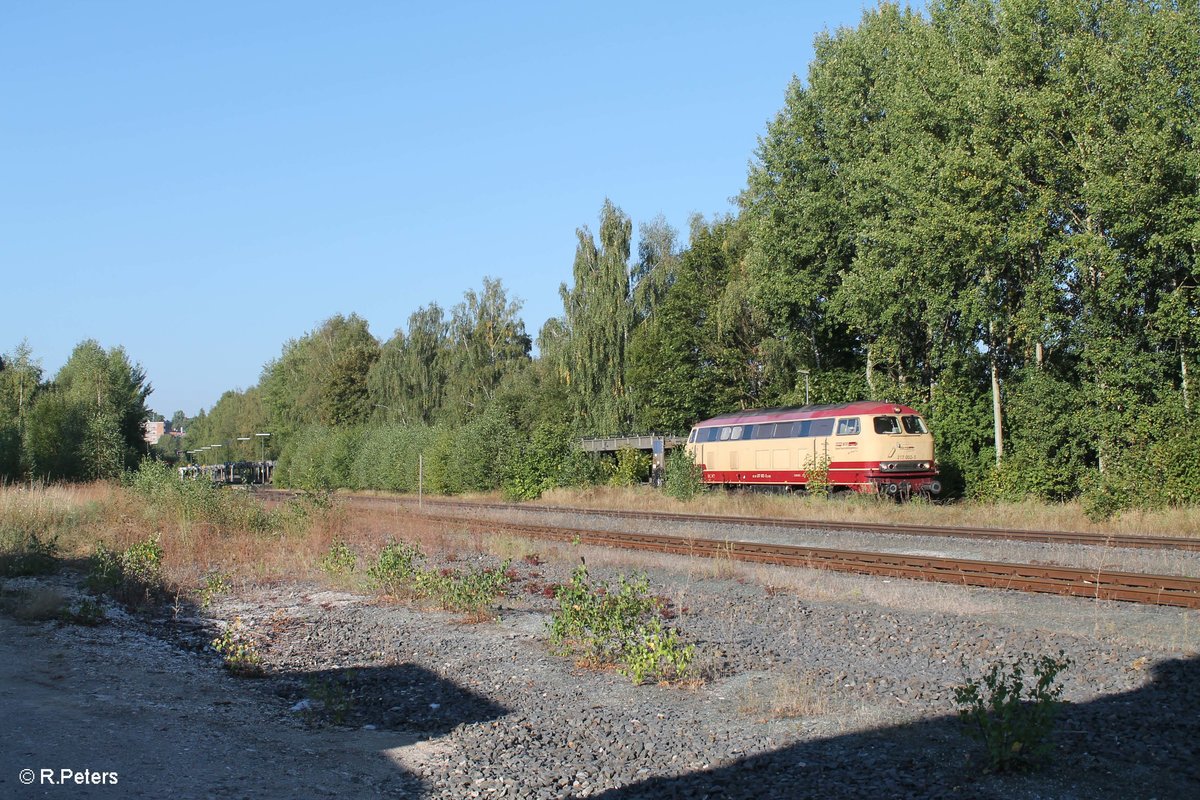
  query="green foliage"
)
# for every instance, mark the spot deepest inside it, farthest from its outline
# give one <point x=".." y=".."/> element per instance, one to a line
<point x="684" y="479"/>
<point x="238" y="649"/>
<point x="618" y="625"/>
<point x="588" y="347"/>
<point x="339" y="559"/>
<point x="330" y="699"/>
<point x="85" y="612"/>
<point x="631" y="468"/>
<point x="397" y="572"/>
<point x="469" y="591"/>
<point x="547" y="460"/>
<point x="133" y="576"/>
<point x="185" y="501"/>
<point x="1011" y="717"/>
<point x="816" y="472"/>
<point x="215" y="585"/>
<point x="24" y="552"/>
<point x="396" y="568"/>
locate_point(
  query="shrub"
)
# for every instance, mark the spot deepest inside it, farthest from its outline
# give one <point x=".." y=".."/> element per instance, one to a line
<point x="215" y="584"/>
<point x="339" y="559"/>
<point x="619" y="626"/>
<point x="134" y="576"/>
<point x="1013" y="720"/>
<point x="26" y="553"/>
<point x="239" y="650"/>
<point x="396" y="568"/>
<point x="816" y="473"/>
<point x="632" y="467"/>
<point x="683" y="479"/>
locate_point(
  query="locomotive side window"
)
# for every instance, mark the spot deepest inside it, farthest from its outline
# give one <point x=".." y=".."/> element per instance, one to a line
<point x="913" y="424"/>
<point x="737" y="432"/>
<point x="848" y="427"/>
<point x="821" y="427"/>
<point x="725" y="433"/>
<point x="762" y="431"/>
<point x="887" y="425"/>
<point x="692" y="436"/>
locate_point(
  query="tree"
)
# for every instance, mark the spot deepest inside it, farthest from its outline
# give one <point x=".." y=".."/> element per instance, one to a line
<point x="598" y="316"/>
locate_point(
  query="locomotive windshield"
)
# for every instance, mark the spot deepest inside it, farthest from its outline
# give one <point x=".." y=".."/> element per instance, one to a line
<point x="887" y="425"/>
<point x="913" y="424"/>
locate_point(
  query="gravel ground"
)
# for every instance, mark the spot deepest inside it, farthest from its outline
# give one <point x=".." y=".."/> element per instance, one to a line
<point x="813" y="686"/>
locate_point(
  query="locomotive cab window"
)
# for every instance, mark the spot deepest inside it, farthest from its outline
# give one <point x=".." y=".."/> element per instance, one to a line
<point x="692" y="436"/>
<point x="913" y="424"/>
<point x="887" y="425"/>
<point x="848" y="427"/>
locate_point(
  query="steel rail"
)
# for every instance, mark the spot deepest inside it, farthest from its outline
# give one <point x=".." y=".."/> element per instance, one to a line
<point x="893" y="528"/>
<point x="1097" y="584"/>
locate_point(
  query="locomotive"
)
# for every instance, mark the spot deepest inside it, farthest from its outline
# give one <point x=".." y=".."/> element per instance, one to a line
<point x="867" y="447"/>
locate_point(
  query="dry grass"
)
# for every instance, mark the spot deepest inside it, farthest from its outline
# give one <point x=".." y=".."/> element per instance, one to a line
<point x="1028" y="515"/>
<point x="785" y="696"/>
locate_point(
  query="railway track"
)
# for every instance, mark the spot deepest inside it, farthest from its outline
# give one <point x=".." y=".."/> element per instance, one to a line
<point x="899" y="529"/>
<point x="1099" y="584"/>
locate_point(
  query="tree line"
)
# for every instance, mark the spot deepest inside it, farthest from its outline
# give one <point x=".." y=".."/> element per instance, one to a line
<point x="989" y="211"/>
<point x="84" y="424"/>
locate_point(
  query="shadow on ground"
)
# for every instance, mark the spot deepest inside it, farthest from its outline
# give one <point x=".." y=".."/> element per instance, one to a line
<point x="1139" y="744"/>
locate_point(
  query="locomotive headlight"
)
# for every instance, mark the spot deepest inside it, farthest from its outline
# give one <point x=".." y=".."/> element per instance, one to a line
<point x="887" y="465"/>
<point x="924" y="465"/>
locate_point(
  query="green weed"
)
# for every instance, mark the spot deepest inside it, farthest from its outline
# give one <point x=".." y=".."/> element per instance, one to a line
<point x="1013" y="720"/>
<point x="239" y="650"/>
<point x="601" y="624"/>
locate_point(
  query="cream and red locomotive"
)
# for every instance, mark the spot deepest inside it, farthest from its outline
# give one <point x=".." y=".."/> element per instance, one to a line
<point x="868" y="447"/>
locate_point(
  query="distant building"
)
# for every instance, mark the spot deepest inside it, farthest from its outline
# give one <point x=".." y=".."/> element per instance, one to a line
<point x="154" y="431"/>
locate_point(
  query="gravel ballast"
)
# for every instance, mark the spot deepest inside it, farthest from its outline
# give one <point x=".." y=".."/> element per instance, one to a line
<point x="806" y="689"/>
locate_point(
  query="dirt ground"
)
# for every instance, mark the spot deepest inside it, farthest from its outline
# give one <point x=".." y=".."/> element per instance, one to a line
<point x="112" y="712"/>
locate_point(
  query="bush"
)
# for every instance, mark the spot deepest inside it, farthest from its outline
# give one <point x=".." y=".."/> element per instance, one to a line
<point x="1013" y="720"/>
<point x="683" y="479"/>
<point x="26" y="553"/>
<point x="239" y="650"/>
<point x="134" y="576"/>
<point x="339" y="559"/>
<point x="631" y="468"/>
<point x="396" y="572"/>
<point x="619" y="626"/>
<point x="184" y="501"/>
<point x="396" y="568"/>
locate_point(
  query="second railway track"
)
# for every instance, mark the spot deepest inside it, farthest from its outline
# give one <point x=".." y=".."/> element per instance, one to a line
<point x="1099" y="584"/>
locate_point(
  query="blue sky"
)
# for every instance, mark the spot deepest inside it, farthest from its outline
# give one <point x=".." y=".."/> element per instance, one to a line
<point x="201" y="182"/>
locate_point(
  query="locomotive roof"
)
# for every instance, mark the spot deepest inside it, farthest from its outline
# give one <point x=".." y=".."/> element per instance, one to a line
<point x="753" y="416"/>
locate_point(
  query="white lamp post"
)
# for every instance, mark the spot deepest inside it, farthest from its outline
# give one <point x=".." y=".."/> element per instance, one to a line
<point x="262" y="456"/>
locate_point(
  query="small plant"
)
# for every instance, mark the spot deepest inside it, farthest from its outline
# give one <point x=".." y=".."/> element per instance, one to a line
<point x="816" y="472"/>
<point x="339" y="560"/>
<point x="27" y="554"/>
<point x="683" y="479"/>
<point x="88" y="612"/>
<point x="622" y="625"/>
<point x="238" y="649"/>
<point x="467" y="591"/>
<point x="215" y="585"/>
<point x="396" y="568"/>
<point x="330" y="699"/>
<point x="1012" y="719"/>
<point x="134" y="576"/>
<point x="657" y="653"/>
